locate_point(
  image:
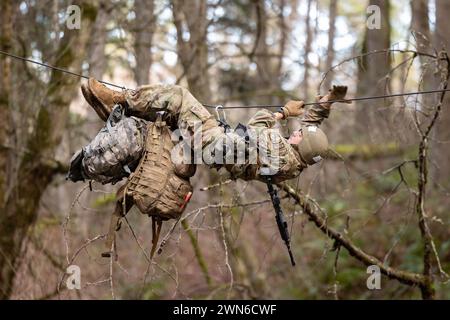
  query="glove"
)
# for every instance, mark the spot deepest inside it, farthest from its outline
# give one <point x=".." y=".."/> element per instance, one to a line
<point x="338" y="93"/>
<point x="293" y="108"/>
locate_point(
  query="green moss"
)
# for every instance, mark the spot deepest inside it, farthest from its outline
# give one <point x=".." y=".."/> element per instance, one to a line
<point x="153" y="290"/>
<point x="89" y="11"/>
<point x="41" y="140"/>
<point x="333" y="205"/>
<point x="44" y="223"/>
<point x="367" y="151"/>
<point x="104" y="200"/>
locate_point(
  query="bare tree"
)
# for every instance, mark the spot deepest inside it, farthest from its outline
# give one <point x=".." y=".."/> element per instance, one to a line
<point x="96" y="48"/>
<point x="420" y="28"/>
<point x="308" y="45"/>
<point x="36" y="164"/>
<point x="374" y="69"/>
<point x="331" y="34"/>
<point x="442" y="134"/>
<point x="6" y="30"/>
<point x="191" y="23"/>
<point x="144" y="26"/>
<point x="267" y="79"/>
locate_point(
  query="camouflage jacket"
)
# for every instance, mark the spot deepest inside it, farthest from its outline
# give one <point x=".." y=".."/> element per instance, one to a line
<point x="275" y="156"/>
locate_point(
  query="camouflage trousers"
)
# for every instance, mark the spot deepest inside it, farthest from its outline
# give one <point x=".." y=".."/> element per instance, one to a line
<point x="183" y="110"/>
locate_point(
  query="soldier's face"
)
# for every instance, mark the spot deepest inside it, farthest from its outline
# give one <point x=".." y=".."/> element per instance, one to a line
<point x="296" y="137"/>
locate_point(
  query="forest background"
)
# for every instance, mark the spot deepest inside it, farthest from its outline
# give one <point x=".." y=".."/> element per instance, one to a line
<point x="381" y="198"/>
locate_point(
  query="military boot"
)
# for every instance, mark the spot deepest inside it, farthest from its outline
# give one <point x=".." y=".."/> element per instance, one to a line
<point x="102" y="99"/>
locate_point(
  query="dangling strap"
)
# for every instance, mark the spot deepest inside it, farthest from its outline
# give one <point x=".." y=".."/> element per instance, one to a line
<point x="111" y="237"/>
<point x="156" y="230"/>
<point x="117" y="114"/>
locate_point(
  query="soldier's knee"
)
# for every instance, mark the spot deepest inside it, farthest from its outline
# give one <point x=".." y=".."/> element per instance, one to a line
<point x="177" y="89"/>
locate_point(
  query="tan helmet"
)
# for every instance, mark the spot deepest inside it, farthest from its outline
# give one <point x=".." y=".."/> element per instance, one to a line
<point x="313" y="146"/>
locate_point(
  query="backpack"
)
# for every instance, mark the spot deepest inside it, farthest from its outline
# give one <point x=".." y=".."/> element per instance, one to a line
<point x="114" y="152"/>
<point x="156" y="187"/>
<point x="140" y="150"/>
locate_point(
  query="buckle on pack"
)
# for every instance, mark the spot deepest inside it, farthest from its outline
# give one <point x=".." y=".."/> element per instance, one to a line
<point x="222" y="119"/>
<point x="159" y="119"/>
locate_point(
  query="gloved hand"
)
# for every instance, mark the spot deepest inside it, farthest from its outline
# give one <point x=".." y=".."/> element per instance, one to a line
<point x="293" y="108"/>
<point x="337" y="93"/>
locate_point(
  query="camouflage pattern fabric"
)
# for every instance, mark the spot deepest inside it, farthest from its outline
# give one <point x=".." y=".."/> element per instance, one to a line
<point x="116" y="149"/>
<point x="276" y="156"/>
<point x="315" y="115"/>
<point x="182" y="108"/>
<point x="154" y="187"/>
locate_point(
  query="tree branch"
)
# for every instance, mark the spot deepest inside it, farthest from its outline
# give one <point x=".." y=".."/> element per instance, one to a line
<point x="311" y="210"/>
<point x="429" y="246"/>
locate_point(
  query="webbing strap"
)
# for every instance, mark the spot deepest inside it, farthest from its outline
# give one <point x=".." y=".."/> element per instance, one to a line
<point x="156" y="231"/>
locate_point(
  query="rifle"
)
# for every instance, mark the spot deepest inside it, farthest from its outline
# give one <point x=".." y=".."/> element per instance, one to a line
<point x="279" y="216"/>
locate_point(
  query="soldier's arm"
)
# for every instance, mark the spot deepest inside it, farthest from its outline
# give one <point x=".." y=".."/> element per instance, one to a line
<point x="321" y="110"/>
<point x="317" y="113"/>
<point x="263" y="118"/>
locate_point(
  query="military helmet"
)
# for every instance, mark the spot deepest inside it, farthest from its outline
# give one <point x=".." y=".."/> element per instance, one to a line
<point x="313" y="146"/>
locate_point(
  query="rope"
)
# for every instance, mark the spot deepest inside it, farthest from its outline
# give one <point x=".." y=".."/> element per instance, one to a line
<point x="331" y="101"/>
<point x="57" y="69"/>
<point x="232" y="107"/>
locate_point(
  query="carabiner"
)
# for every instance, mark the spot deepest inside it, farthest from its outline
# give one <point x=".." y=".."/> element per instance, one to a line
<point x="223" y="117"/>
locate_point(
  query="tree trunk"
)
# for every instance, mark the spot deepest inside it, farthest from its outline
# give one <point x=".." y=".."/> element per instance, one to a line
<point x="420" y="24"/>
<point x="373" y="68"/>
<point x="6" y="30"/>
<point x="440" y="149"/>
<point x="330" y="50"/>
<point x="143" y="31"/>
<point x="37" y="167"/>
<point x="308" y="43"/>
<point x="268" y="68"/>
<point x="96" y="51"/>
<point x="190" y="19"/>
<point x="284" y="36"/>
<point x="420" y="28"/>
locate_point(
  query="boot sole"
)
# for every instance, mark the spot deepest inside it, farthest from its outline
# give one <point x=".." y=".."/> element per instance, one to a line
<point x="92" y="100"/>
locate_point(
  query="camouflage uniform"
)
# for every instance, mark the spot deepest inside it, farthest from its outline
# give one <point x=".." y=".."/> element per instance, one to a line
<point x="286" y="162"/>
<point x="315" y="115"/>
<point x="186" y="112"/>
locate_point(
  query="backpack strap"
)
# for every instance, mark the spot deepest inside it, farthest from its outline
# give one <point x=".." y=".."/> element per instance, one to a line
<point x="156" y="231"/>
<point x="117" y="114"/>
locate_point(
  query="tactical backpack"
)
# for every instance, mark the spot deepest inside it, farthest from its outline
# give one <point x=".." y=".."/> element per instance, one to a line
<point x="156" y="187"/>
<point x="114" y="152"/>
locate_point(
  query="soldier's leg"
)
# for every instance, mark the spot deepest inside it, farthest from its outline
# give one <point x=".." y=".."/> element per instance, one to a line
<point x="147" y="100"/>
<point x="115" y="222"/>
<point x="182" y="108"/>
<point x="143" y="102"/>
<point x="198" y="122"/>
<point x="101" y="98"/>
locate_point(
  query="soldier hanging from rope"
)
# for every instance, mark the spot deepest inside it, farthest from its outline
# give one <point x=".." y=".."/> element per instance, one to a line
<point x="160" y="184"/>
<point x="304" y="147"/>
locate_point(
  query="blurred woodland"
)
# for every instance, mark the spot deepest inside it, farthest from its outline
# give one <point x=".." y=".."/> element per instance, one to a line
<point x="380" y="199"/>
